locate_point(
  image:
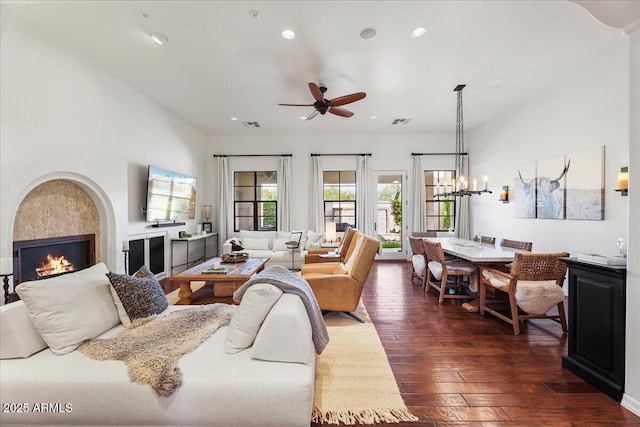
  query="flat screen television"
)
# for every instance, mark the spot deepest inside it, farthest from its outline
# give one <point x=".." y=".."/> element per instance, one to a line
<point x="171" y="196"/>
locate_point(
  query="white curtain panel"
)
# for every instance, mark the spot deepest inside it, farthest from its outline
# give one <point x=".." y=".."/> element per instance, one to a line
<point x="316" y="212"/>
<point x="463" y="219"/>
<point x="418" y="196"/>
<point x="223" y="198"/>
<point x="284" y="194"/>
<point x="363" y="195"/>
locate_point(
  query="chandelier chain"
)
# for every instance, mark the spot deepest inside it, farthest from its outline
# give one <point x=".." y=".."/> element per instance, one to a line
<point x="460" y="161"/>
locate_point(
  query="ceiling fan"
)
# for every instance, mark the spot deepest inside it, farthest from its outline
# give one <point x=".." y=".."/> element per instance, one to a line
<point x="332" y="106"/>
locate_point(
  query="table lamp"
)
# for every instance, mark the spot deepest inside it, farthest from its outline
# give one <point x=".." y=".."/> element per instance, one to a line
<point x="330" y="232"/>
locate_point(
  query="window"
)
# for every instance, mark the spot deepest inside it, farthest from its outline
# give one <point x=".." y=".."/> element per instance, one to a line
<point x="441" y="213"/>
<point x="339" y="189"/>
<point x="255" y="200"/>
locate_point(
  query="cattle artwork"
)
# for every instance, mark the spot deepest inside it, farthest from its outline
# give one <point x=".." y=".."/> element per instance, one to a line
<point x="543" y="197"/>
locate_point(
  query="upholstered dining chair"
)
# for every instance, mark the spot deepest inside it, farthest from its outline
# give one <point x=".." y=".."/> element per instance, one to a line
<point x="338" y="287"/>
<point x="488" y="239"/>
<point x="418" y="259"/>
<point x="533" y="286"/>
<point x="516" y="244"/>
<point x="439" y="269"/>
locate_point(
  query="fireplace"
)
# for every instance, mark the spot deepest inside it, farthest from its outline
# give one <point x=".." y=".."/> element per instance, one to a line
<point x="46" y="258"/>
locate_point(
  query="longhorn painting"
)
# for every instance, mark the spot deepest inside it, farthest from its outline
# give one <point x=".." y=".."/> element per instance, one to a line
<point x="585" y="185"/>
<point x="543" y="195"/>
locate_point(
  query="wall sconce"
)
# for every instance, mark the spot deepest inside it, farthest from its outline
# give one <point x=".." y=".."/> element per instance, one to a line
<point x="623" y="181"/>
<point x="330" y="232"/>
<point x="504" y="194"/>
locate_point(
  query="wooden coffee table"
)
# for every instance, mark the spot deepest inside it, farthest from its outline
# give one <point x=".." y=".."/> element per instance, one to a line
<point x="237" y="275"/>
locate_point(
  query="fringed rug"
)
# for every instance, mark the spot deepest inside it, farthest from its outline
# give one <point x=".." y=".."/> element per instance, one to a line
<point x="354" y="382"/>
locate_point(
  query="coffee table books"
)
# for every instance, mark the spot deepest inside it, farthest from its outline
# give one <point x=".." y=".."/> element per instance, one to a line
<point x="217" y="270"/>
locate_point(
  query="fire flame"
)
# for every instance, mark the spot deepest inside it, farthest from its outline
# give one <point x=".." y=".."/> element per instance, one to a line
<point x="54" y="266"/>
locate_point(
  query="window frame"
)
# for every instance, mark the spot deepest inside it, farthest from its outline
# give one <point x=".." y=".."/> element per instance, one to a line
<point x="338" y="213"/>
<point x="430" y="190"/>
<point x="256" y="202"/>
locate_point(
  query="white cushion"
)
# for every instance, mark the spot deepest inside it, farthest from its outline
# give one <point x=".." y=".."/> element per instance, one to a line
<point x="436" y="269"/>
<point x="285" y="335"/>
<point x="261" y="244"/>
<point x="280" y="244"/>
<point x="313" y="240"/>
<point x="533" y="296"/>
<point x="419" y="264"/>
<point x="71" y="308"/>
<point x="246" y="321"/>
<point x="250" y="234"/>
<point x="18" y="335"/>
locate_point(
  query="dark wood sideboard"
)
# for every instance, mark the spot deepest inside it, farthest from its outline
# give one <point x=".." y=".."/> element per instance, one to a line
<point x="597" y="315"/>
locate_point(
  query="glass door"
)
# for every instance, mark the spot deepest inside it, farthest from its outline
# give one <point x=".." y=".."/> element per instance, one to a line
<point x="390" y="204"/>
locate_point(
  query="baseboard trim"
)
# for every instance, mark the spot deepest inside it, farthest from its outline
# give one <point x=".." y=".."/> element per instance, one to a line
<point x="631" y="404"/>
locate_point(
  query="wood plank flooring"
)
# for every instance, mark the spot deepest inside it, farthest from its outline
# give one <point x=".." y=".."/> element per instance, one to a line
<point x="459" y="368"/>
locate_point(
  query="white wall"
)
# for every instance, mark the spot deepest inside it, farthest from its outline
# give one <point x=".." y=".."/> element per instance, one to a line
<point x="62" y="116"/>
<point x="588" y="111"/>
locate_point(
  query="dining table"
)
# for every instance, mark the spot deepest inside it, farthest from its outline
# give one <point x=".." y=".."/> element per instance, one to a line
<point x="477" y="253"/>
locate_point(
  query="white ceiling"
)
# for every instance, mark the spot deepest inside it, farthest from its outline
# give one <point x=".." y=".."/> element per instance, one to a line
<point x="220" y="62"/>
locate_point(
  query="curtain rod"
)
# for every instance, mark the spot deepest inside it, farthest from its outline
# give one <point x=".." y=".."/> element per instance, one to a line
<point x="340" y="154"/>
<point x="439" y="154"/>
<point x="253" y="155"/>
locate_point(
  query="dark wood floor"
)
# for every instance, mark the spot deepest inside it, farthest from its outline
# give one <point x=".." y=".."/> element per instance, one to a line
<point x="458" y="368"/>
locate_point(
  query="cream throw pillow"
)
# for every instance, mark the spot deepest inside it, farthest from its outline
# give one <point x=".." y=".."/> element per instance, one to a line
<point x="71" y="308"/>
<point x="260" y="244"/>
<point x="246" y="321"/>
<point x="18" y="335"/>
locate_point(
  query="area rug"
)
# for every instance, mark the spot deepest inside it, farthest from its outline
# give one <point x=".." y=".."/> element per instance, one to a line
<point x="354" y="382"/>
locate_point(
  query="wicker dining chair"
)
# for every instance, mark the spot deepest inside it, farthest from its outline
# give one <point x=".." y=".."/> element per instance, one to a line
<point x="516" y="244"/>
<point x="440" y="269"/>
<point x="488" y="239"/>
<point x="418" y="260"/>
<point x="533" y="286"/>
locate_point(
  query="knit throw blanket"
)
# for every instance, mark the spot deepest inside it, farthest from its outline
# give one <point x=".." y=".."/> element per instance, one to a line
<point x="291" y="283"/>
<point x="151" y="347"/>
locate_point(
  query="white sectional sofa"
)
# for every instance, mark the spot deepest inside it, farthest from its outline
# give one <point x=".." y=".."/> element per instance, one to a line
<point x="272" y="244"/>
<point x="270" y="383"/>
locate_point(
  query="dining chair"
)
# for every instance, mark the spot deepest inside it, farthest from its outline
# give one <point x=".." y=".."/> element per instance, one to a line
<point x="418" y="260"/>
<point x="533" y="286"/>
<point x="488" y="239"/>
<point x="440" y="269"/>
<point x="516" y="244"/>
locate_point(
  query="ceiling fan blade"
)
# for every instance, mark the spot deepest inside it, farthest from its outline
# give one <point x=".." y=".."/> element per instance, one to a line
<point x="298" y="105"/>
<point x="340" y="112"/>
<point x="316" y="92"/>
<point x="312" y="115"/>
<point x="347" y="99"/>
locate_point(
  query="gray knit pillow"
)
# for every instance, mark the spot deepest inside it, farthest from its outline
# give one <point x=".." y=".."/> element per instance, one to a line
<point x="140" y="295"/>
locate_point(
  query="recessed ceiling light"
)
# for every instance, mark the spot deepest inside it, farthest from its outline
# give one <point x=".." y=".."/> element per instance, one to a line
<point x="288" y="34"/>
<point x="368" y="34"/>
<point x="418" y="32"/>
<point x="254" y="13"/>
<point x="373" y="117"/>
<point x="303" y="117"/>
<point x="234" y="118"/>
<point x="159" y="38"/>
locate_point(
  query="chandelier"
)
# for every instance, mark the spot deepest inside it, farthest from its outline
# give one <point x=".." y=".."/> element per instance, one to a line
<point x="460" y="187"/>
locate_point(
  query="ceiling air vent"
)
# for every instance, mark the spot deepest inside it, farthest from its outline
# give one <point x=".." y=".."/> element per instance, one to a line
<point x="400" y="121"/>
<point x="251" y="124"/>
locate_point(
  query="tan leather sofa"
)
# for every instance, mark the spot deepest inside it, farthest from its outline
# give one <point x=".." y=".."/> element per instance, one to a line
<point x="338" y="286"/>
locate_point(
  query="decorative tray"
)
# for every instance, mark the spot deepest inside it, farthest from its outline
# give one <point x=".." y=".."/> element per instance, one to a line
<point x="603" y="260"/>
<point x="235" y="257"/>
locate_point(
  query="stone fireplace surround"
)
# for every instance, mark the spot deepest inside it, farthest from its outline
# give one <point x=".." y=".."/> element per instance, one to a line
<point x="65" y="204"/>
